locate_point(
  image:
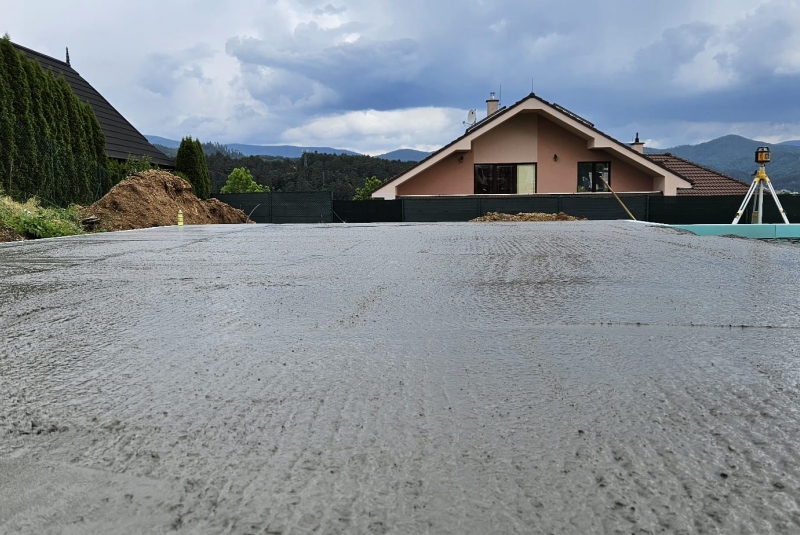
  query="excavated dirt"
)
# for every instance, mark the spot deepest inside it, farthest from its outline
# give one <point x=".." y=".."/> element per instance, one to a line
<point x="6" y="234"/>
<point x="535" y="216"/>
<point x="152" y="199"/>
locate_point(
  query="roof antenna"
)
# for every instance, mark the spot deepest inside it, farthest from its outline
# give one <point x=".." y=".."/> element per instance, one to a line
<point x="68" y="63"/>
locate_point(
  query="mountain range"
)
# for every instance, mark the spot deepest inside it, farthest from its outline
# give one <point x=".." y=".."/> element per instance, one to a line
<point x="292" y="151"/>
<point x="732" y="155"/>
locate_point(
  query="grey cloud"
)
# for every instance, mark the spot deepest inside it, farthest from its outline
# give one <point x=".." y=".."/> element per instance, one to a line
<point x="360" y="73"/>
<point x="163" y="71"/>
<point x="329" y="9"/>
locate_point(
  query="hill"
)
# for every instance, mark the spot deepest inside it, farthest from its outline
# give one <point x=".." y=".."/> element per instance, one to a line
<point x="405" y="155"/>
<point x="164" y="142"/>
<point x="285" y="151"/>
<point x="733" y="155"/>
<point x="794" y="142"/>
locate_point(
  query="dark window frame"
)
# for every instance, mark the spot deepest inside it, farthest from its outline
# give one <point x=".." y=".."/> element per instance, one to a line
<point x="495" y="182"/>
<point x="596" y="182"/>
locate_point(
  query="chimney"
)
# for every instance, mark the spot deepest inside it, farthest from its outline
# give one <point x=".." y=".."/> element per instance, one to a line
<point x="637" y="145"/>
<point x="491" y="105"/>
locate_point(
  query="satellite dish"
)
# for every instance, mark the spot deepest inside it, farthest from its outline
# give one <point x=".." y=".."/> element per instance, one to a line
<point x="472" y="118"/>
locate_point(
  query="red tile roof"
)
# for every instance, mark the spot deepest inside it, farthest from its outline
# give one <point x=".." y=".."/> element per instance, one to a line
<point x="704" y="181"/>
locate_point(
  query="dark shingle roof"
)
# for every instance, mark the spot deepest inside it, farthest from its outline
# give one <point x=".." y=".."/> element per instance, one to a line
<point x="122" y="139"/>
<point x="704" y="181"/>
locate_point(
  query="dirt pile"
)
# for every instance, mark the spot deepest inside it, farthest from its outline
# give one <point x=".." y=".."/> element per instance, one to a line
<point x="7" y="234"/>
<point x="152" y="199"/>
<point x="535" y="216"/>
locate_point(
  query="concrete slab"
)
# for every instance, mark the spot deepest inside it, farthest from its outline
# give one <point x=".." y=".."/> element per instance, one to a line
<point x="579" y="377"/>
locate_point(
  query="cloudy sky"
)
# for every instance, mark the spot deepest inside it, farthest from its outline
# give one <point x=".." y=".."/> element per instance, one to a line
<point x="377" y="75"/>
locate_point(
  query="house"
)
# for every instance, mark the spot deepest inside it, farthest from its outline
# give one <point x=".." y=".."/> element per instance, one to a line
<point x="122" y="139"/>
<point x="538" y="147"/>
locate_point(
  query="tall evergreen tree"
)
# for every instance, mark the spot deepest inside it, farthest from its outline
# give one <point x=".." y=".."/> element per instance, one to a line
<point x="191" y="161"/>
<point x="51" y="144"/>
<point x="203" y="178"/>
<point x="24" y="135"/>
<point x="7" y="143"/>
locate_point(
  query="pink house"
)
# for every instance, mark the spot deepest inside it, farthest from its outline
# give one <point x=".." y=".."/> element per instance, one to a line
<point x="535" y="147"/>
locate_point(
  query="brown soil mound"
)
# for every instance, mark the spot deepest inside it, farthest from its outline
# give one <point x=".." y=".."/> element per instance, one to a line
<point x="6" y="234"/>
<point x="152" y="199"/>
<point x="536" y="216"/>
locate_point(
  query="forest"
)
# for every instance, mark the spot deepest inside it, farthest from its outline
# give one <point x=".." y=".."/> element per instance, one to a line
<point x="340" y="174"/>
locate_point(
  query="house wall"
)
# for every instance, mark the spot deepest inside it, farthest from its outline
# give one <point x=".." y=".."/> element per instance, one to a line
<point x="514" y="141"/>
<point x="525" y="138"/>
<point x="562" y="176"/>
<point x="448" y="177"/>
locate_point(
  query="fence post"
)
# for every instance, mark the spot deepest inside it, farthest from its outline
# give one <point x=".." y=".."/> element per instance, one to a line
<point x="271" y="210"/>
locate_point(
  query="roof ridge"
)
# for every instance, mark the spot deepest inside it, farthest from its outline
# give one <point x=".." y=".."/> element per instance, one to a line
<point x="32" y="51"/>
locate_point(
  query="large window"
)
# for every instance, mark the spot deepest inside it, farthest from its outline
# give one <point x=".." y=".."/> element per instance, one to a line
<point x="505" y="178"/>
<point x="589" y="174"/>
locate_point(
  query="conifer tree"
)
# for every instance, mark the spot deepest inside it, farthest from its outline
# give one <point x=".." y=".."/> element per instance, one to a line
<point x="20" y="106"/>
<point x="7" y="145"/>
<point x="204" y="179"/>
<point x="191" y="161"/>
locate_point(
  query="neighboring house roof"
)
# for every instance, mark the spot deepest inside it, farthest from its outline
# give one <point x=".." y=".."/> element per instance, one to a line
<point x="595" y="140"/>
<point x="704" y="181"/>
<point x="122" y="139"/>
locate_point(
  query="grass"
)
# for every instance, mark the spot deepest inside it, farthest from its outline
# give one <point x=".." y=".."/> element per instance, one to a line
<point x="33" y="221"/>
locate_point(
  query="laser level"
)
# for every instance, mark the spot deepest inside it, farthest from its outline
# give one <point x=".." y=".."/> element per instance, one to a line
<point x="759" y="181"/>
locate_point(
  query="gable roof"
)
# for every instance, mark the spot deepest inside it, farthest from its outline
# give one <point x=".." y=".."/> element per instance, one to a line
<point x="704" y="181"/>
<point x="122" y="139"/>
<point x="565" y="118"/>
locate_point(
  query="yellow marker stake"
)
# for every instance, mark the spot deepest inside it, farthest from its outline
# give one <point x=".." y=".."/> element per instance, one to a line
<point x="180" y="218"/>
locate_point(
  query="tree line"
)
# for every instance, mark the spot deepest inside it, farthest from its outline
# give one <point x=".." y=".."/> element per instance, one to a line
<point x="341" y="174"/>
<point x="51" y="144"/>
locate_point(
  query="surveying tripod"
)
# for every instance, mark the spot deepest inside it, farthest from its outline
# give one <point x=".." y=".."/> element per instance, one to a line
<point x="761" y="178"/>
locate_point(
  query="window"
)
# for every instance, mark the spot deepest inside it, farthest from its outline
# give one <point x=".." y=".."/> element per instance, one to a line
<point x="589" y="174"/>
<point x="505" y="178"/>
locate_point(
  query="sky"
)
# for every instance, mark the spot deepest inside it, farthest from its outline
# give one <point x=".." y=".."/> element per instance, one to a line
<point x="374" y="76"/>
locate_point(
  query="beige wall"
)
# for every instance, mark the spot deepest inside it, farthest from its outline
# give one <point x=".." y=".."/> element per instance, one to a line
<point x="525" y="138"/>
<point x="514" y="141"/>
<point x="562" y="176"/>
<point x="448" y="177"/>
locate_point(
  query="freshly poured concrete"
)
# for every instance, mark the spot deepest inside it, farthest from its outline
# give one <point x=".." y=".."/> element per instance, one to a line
<point x="455" y="378"/>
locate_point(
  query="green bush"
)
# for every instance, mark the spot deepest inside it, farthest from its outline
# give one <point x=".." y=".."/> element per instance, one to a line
<point x="241" y="181"/>
<point x="365" y="193"/>
<point x="33" y="221"/>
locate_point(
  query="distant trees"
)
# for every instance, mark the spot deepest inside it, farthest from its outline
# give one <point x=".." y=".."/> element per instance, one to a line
<point x="340" y="174"/>
<point x="191" y="162"/>
<point x="51" y="144"/>
<point x="241" y="181"/>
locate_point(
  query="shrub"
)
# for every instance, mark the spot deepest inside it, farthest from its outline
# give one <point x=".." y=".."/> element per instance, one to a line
<point x="31" y="220"/>
<point x="241" y="181"/>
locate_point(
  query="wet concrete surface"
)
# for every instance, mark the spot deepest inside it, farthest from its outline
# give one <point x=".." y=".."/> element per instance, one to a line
<point x="589" y="377"/>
